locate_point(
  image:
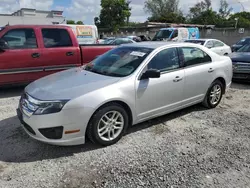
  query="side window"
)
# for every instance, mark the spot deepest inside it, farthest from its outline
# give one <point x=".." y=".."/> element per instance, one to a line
<point x="21" y="39"/>
<point x="210" y="44"/>
<point x="218" y="44"/>
<point x="165" y="60"/>
<point x="175" y="34"/>
<point x="54" y="38"/>
<point x="193" y="56"/>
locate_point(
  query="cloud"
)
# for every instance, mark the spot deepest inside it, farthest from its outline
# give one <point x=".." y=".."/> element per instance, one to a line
<point x="10" y="6"/>
<point x="84" y="10"/>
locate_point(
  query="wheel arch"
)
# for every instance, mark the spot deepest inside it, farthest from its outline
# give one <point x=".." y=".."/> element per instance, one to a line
<point x="119" y="102"/>
<point x="223" y="81"/>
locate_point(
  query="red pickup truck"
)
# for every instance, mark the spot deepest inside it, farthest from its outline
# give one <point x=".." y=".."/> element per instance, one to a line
<point x="29" y="52"/>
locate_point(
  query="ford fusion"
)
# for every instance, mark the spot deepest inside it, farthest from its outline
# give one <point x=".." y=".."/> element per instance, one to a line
<point x="127" y="85"/>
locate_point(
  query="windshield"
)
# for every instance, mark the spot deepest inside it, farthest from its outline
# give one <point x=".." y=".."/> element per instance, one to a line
<point x="245" y="48"/>
<point x="163" y="34"/>
<point x="108" y="41"/>
<point x="242" y="41"/>
<point x="201" y="42"/>
<point x="119" y="62"/>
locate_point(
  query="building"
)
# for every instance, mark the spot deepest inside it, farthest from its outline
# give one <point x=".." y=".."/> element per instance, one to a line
<point x="32" y="16"/>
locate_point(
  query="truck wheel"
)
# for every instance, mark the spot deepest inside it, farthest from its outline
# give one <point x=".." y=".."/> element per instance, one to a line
<point x="108" y="124"/>
<point x="214" y="95"/>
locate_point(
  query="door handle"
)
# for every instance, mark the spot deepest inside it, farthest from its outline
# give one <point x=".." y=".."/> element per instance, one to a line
<point x="35" y="55"/>
<point x="211" y="70"/>
<point x="177" y="79"/>
<point x="69" y="53"/>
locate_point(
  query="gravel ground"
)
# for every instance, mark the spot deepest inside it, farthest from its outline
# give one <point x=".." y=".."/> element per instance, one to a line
<point x="194" y="147"/>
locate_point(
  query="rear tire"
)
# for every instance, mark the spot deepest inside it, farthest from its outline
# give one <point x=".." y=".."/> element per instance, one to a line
<point x="214" y="95"/>
<point x="108" y="124"/>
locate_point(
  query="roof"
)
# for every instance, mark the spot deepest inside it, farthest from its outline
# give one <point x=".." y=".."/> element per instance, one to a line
<point x="37" y="26"/>
<point x="154" y="45"/>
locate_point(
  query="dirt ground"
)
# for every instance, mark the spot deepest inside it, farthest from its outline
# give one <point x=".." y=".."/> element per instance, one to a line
<point x="194" y="147"/>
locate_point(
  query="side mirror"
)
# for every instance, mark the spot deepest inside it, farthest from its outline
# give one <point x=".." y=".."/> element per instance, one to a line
<point x="151" y="73"/>
<point x="3" y="45"/>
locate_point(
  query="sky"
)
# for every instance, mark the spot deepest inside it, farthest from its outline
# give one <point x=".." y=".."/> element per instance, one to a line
<point x="86" y="10"/>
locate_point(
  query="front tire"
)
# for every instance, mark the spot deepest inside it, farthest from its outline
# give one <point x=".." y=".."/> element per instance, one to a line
<point x="108" y="124"/>
<point x="214" y="95"/>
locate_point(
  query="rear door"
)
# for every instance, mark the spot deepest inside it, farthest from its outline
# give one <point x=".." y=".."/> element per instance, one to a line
<point x="199" y="73"/>
<point x="21" y="61"/>
<point x="59" y="52"/>
<point x="219" y="47"/>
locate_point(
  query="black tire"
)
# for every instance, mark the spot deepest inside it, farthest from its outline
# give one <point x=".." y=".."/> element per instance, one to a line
<point x="92" y="129"/>
<point x="207" y="102"/>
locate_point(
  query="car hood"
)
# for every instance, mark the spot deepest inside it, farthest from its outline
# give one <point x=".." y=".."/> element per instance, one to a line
<point x="240" y="56"/>
<point x="68" y="84"/>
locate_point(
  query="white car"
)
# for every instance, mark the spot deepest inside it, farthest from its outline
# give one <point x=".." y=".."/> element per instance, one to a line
<point x="215" y="45"/>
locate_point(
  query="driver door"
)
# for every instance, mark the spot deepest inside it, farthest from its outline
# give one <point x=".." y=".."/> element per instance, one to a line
<point x="20" y="62"/>
<point x="158" y="96"/>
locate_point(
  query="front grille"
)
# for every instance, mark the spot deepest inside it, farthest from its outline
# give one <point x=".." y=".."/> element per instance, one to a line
<point x="242" y="67"/>
<point x="52" y="133"/>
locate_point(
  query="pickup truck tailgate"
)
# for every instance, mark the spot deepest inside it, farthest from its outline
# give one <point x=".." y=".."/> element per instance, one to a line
<point x="90" y="52"/>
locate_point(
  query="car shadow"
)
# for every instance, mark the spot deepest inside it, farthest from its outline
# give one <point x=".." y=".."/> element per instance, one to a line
<point x="240" y="85"/>
<point x="6" y="92"/>
<point x="17" y="147"/>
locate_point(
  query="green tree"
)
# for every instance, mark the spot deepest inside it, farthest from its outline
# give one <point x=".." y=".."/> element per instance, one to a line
<point x="70" y="22"/>
<point x="79" y="23"/>
<point x="164" y="11"/>
<point x="97" y="21"/>
<point x="114" y="13"/>
<point x="202" y="13"/>
<point x="243" y="19"/>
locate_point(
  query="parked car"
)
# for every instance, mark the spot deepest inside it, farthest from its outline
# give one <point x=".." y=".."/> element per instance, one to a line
<point x="215" y="45"/>
<point x="105" y="40"/>
<point x="240" y="44"/>
<point x="125" y="86"/>
<point x="121" y="40"/>
<point x="241" y="64"/>
<point x="179" y="34"/>
<point x="29" y="52"/>
<point x="145" y="38"/>
<point x="135" y="38"/>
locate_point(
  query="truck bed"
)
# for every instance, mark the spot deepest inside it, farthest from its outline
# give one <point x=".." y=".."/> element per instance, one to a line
<point x="91" y="51"/>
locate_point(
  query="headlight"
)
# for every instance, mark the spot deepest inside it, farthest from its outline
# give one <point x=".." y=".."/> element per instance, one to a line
<point x="49" y="107"/>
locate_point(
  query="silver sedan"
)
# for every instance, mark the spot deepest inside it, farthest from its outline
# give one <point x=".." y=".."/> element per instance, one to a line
<point x="125" y="86"/>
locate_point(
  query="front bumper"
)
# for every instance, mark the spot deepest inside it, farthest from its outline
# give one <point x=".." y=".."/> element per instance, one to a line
<point x="61" y="122"/>
<point x="241" y="76"/>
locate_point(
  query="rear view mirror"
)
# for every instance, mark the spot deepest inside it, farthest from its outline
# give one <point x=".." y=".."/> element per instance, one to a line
<point x="151" y="73"/>
<point x="3" y="45"/>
